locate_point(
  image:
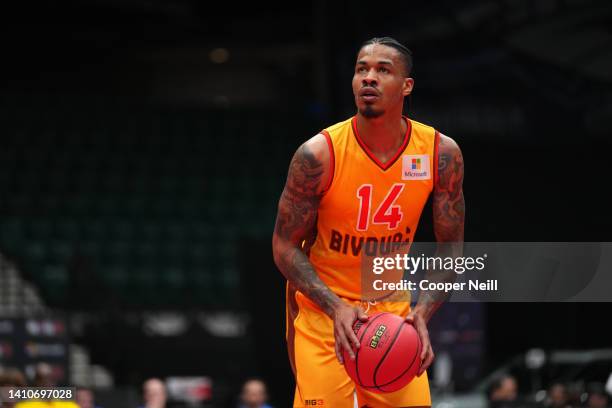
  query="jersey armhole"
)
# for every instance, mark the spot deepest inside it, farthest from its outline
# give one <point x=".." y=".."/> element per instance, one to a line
<point x="436" y="159"/>
<point x="332" y="160"/>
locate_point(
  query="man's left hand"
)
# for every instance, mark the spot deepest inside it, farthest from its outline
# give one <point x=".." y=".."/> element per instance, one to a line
<point x="427" y="354"/>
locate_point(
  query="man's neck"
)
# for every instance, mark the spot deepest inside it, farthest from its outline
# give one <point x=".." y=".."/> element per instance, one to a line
<point x="382" y="135"/>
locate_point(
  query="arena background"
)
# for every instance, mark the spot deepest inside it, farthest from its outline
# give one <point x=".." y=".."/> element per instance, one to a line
<point x="145" y="145"/>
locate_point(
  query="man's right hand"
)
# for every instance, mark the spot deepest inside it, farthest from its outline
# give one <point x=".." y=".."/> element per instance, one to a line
<point x="344" y="315"/>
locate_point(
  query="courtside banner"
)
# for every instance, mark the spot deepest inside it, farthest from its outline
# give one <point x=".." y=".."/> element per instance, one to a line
<point x="487" y="271"/>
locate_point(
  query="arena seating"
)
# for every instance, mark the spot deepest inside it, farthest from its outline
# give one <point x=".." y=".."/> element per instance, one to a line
<point x="135" y="200"/>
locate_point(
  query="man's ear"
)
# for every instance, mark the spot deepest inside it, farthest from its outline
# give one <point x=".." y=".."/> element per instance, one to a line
<point x="408" y="86"/>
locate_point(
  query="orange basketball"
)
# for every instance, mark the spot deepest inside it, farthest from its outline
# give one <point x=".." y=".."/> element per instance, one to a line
<point x="388" y="358"/>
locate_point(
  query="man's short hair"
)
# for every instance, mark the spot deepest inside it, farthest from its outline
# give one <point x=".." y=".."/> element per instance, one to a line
<point x="393" y="43"/>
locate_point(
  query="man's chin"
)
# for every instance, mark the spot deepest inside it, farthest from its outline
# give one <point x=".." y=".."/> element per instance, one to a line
<point x="370" y="113"/>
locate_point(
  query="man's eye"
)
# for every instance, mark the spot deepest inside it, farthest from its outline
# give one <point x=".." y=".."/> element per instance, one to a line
<point x="361" y="69"/>
<point x="383" y="70"/>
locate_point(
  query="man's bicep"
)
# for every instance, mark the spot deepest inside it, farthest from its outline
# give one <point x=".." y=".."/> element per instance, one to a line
<point x="296" y="216"/>
<point x="299" y="202"/>
<point x="449" y="203"/>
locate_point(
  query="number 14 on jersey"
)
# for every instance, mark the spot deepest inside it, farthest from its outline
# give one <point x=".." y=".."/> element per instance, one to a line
<point x="387" y="212"/>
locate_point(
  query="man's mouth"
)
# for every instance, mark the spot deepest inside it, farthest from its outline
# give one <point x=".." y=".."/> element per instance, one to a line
<point x="369" y="94"/>
<point x="369" y="98"/>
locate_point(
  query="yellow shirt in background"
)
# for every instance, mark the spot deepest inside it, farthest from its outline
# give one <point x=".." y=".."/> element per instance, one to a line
<point x="47" y="404"/>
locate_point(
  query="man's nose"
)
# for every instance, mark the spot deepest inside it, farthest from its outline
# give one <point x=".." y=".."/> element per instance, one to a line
<point x="370" y="79"/>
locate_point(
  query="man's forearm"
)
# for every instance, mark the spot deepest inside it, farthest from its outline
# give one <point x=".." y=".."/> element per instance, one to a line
<point x="296" y="267"/>
<point x="431" y="300"/>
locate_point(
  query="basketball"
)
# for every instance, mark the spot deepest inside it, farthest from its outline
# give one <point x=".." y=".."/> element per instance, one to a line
<point x="388" y="358"/>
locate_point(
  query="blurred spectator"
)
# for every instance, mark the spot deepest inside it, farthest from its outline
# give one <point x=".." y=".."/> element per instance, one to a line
<point x="47" y="404"/>
<point x="154" y="393"/>
<point x="43" y="376"/>
<point x="598" y="398"/>
<point x="503" y="389"/>
<point x="11" y="377"/>
<point x="254" y="394"/>
<point x="503" y="392"/>
<point x="85" y="398"/>
<point x="557" y="397"/>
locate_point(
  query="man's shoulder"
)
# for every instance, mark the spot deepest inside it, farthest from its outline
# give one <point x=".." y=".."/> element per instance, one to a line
<point x="339" y="125"/>
<point x="445" y="141"/>
<point x="422" y="128"/>
<point x="449" y="145"/>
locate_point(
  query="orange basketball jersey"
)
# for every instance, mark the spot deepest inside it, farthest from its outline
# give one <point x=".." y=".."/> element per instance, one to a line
<point x="368" y="205"/>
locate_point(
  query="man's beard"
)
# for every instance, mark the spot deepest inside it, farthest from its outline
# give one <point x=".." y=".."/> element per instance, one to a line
<point x="370" y="113"/>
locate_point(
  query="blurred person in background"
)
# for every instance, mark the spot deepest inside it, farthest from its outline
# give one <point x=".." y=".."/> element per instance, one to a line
<point x="598" y="398"/>
<point x="11" y="377"/>
<point x="503" y="392"/>
<point x="154" y="393"/>
<point x="557" y="397"/>
<point x="254" y="394"/>
<point x="47" y="404"/>
<point x="43" y="377"/>
<point x="85" y="398"/>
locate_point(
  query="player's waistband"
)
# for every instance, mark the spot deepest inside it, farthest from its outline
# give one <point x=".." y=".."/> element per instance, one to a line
<point x="400" y="308"/>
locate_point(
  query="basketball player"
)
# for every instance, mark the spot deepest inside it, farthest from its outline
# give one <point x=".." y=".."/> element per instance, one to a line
<point x="366" y="178"/>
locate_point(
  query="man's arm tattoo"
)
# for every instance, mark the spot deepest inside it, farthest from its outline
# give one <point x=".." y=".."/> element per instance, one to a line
<point x="295" y="222"/>
<point x="448" y="203"/>
<point x="449" y="214"/>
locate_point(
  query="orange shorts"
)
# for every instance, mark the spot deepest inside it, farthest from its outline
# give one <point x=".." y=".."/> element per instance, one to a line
<point x="321" y="380"/>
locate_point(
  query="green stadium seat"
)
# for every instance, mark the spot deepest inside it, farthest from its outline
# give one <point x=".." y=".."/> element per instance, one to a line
<point x="90" y="250"/>
<point x="172" y="283"/>
<point x="150" y="231"/>
<point x="123" y="230"/>
<point x="61" y="252"/>
<point x="176" y="232"/>
<point x="40" y="229"/>
<point x="67" y="228"/>
<point x="189" y="208"/>
<point x="12" y="228"/>
<point x="116" y="277"/>
<point x="146" y="254"/>
<point x="143" y="286"/>
<point x="198" y="256"/>
<point x="95" y="229"/>
<point x="117" y="253"/>
<point x="54" y="283"/>
<point x="164" y="207"/>
<point x="173" y="254"/>
<point x="136" y="206"/>
<point x="108" y="206"/>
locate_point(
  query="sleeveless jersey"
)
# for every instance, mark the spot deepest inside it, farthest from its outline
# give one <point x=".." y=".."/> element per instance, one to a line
<point x="367" y="204"/>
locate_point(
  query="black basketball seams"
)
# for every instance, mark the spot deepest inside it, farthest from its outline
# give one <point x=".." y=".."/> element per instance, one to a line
<point x="418" y="352"/>
<point x="360" y="341"/>
<point x="397" y="333"/>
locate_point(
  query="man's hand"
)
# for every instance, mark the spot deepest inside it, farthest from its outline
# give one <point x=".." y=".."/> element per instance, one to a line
<point x="420" y="324"/>
<point x="344" y="315"/>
